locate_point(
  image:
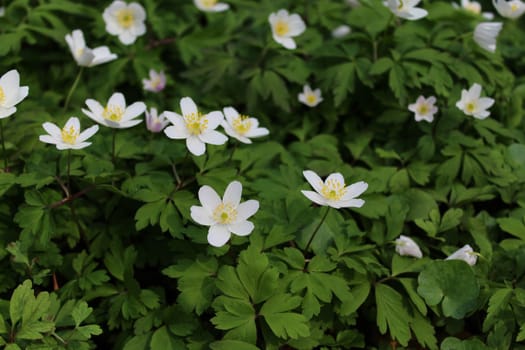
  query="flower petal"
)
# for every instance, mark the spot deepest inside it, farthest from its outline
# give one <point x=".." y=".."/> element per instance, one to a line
<point x="176" y="132"/>
<point x="243" y="228"/>
<point x="355" y="190"/>
<point x="133" y="111"/>
<point x="315" y="197"/>
<point x="209" y="198"/>
<point x="52" y="130"/>
<point x="314" y="180"/>
<point x="213" y="137"/>
<point x="86" y="134"/>
<point x="247" y="209"/>
<point x="187" y="106"/>
<point x="195" y="145"/>
<point x="201" y="216"/>
<point x="214" y="119"/>
<point x="117" y="99"/>
<point x="233" y="193"/>
<point x="218" y="235"/>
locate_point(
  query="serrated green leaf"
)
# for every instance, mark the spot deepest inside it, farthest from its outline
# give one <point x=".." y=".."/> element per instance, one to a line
<point x="162" y="339"/>
<point x="391" y="314"/>
<point x="283" y="323"/>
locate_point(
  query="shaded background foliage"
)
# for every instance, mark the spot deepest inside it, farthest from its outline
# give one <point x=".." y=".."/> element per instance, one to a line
<point x="124" y="257"/>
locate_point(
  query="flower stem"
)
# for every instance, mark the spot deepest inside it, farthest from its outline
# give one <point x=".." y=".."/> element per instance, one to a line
<point x="73" y="88"/>
<point x="113" y="157"/>
<point x="69" y="172"/>
<point x="317" y="229"/>
<point x="3" y="145"/>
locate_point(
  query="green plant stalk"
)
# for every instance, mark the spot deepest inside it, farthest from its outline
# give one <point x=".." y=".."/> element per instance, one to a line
<point x="3" y="144"/>
<point x="68" y="172"/>
<point x="113" y="157"/>
<point x="317" y="229"/>
<point x="73" y="88"/>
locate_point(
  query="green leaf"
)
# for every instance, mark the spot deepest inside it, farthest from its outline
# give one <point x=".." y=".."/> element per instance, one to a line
<point x="381" y="66"/>
<point x="162" y="339"/>
<point x="258" y="279"/>
<point x="513" y="226"/>
<point x="439" y="281"/>
<point x="232" y="345"/>
<point x="283" y="323"/>
<point x="81" y="312"/>
<point x="19" y="299"/>
<point x="237" y="316"/>
<point x="498" y="302"/>
<point x="391" y="314"/>
<point x="452" y="343"/>
<point x="89" y="330"/>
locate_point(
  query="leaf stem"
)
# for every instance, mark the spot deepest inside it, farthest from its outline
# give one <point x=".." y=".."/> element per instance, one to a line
<point x="69" y="171"/>
<point x="113" y="158"/>
<point x="73" y="88"/>
<point x="3" y="145"/>
<point x="317" y="229"/>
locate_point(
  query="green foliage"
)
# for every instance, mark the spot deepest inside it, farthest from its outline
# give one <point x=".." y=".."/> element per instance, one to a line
<point x="98" y="246"/>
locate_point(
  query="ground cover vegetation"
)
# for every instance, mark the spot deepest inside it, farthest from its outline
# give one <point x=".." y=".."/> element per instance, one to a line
<point x="267" y="174"/>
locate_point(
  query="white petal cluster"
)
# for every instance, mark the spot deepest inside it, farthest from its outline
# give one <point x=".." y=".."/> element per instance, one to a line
<point x="85" y="56"/>
<point x="241" y="127"/>
<point x="224" y="216"/>
<point x="406" y="9"/>
<point x="472" y="104"/>
<point x="486" y="33"/>
<point x="424" y="108"/>
<point x="69" y="137"/>
<point x="196" y="128"/>
<point x="466" y="253"/>
<point x="11" y="93"/>
<point x="2" y="11"/>
<point x="509" y="9"/>
<point x="115" y="114"/>
<point x="155" y="122"/>
<point x="125" y="20"/>
<point x="156" y="81"/>
<point x="407" y="247"/>
<point x="341" y="31"/>
<point x="285" y="27"/>
<point x="211" y="5"/>
<point x="333" y="192"/>
<point x="310" y="97"/>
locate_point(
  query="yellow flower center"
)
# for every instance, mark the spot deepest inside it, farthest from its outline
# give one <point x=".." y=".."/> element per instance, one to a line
<point x="2" y="95"/>
<point x="514" y="7"/>
<point x="470" y="107"/>
<point x="423" y="109"/>
<point x="225" y="213"/>
<point x="69" y="135"/>
<point x="281" y="28"/>
<point x="196" y="123"/>
<point x="333" y="190"/>
<point x="242" y="124"/>
<point x="113" y="113"/>
<point x="125" y="18"/>
<point x="208" y="3"/>
<point x="311" y="99"/>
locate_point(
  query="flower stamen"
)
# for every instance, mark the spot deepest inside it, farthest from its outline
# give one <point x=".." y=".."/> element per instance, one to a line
<point x="333" y="190"/>
<point x="225" y="213"/>
<point x="113" y="113"/>
<point x="2" y="95"/>
<point x="125" y="18"/>
<point x="242" y="124"/>
<point x="281" y="28"/>
<point x="69" y="135"/>
<point x="208" y="3"/>
<point x="196" y="123"/>
<point x="470" y="107"/>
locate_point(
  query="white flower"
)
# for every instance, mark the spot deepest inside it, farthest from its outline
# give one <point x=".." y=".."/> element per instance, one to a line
<point x="69" y="137"/>
<point x="509" y="9"/>
<point x="115" y="114"/>
<point x="466" y="253"/>
<point x="472" y="104"/>
<point x="11" y="93"/>
<point x="424" y="109"/>
<point x="156" y="81"/>
<point x="241" y="127"/>
<point x="486" y="33"/>
<point x="353" y="3"/>
<point x="2" y="11"/>
<point x="211" y="5"/>
<point x="224" y="216"/>
<point x="333" y="192"/>
<point x="285" y="26"/>
<point x="197" y="128"/>
<point x="309" y="97"/>
<point x="125" y="20"/>
<point x="473" y="7"/>
<point x="406" y="9"/>
<point x="406" y="246"/>
<point x="341" y="31"/>
<point x="85" y="56"/>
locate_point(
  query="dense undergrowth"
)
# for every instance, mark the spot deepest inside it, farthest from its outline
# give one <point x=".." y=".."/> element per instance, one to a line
<point x="98" y="248"/>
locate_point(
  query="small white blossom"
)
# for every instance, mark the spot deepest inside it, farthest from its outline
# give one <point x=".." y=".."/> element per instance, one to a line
<point x="156" y="81"/>
<point x="509" y="9"/>
<point x="154" y="122"/>
<point x="310" y="97"/>
<point x="466" y="253"/>
<point x="197" y="128"/>
<point x="69" y="137"/>
<point x="2" y="11"/>
<point x="241" y="127"/>
<point x="472" y="104"/>
<point x="224" y="216"/>
<point x="125" y="20"/>
<point x="406" y="246"/>
<point x="341" y="31"/>
<point x="353" y="3"/>
<point x="424" y="108"/>
<point x="406" y="9"/>
<point x="211" y="5"/>
<point x="115" y="114"/>
<point x="11" y="93"/>
<point x="333" y="192"/>
<point x="486" y="33"/>
<point x="85" y="56"/>
<point x="285" y="26"/>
